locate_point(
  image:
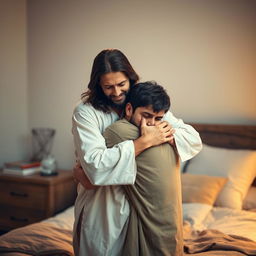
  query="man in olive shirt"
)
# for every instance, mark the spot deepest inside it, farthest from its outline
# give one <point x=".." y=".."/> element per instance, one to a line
<point x="155" y="221"/>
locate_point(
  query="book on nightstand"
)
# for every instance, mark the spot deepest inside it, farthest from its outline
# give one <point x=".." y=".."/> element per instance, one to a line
<point x="22" y="168"/>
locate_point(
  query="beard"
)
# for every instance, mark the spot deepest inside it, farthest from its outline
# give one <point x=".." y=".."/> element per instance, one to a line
<point x="117" y="105"/>
<point x="132" y="121"/>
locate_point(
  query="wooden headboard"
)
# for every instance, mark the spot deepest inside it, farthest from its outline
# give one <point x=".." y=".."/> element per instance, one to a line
<point x="228" y="136"/>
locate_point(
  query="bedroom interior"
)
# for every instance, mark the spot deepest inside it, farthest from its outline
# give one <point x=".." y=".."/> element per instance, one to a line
<point x="224" y="228"/>
<point x="203" y="53"/>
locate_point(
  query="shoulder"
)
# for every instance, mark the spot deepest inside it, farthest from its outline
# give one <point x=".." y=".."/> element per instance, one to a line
<point x="168" y="115"/>
<point x="86" y="110"/>
<point x="83" y="107"/>
<point x="123" y="129"/>
<point x="121" y="125"/>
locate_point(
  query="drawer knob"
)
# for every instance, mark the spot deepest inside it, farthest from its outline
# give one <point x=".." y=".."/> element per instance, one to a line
<point x="18" y="194"/>
<point x="19" y="219"/>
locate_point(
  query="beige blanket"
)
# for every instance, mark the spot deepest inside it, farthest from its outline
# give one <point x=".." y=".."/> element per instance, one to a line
<point x="155" y="221"/>
<point x="37" y="239"/>
<point x="47" y="239"/>
<point x="212" y="242"/>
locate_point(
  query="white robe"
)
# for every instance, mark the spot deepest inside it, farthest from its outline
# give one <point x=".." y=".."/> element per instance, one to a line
<point x="105" y="210"/>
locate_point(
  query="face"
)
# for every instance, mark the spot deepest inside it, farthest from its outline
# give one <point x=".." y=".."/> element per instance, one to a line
<point x="152" y="118"/>
<point x="115" y="85"/>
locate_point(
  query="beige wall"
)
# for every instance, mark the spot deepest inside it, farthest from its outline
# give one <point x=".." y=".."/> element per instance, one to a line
<point x="203" y="52"/>
<point x="13" y="81"/>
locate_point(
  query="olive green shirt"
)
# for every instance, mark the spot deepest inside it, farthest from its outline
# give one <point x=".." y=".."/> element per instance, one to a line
<point x="155" y="221"/>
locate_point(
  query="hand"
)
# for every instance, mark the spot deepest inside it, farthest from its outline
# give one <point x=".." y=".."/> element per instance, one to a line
<point x="158" y="134"/>
<point x="172" y="131"/>
<point x="172" y="141"/>
<point x="80" y="177"/>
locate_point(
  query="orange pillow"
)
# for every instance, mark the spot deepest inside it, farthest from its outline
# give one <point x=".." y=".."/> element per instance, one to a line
<point x="201" y="188"/>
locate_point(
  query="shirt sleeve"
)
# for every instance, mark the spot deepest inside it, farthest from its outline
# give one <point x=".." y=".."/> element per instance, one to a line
<point x="187" y="139"/>
<point x="102" y="165"/>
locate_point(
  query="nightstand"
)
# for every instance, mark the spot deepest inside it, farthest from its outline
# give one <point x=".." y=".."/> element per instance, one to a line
<point x="28" y="199"/>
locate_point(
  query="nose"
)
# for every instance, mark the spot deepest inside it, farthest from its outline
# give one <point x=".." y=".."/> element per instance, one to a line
<point x="116" y="91"/>
<point x="151" y="122"/>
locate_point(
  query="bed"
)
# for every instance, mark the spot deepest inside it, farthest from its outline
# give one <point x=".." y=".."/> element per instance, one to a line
<point x="219" y="192"/>
<point x="219" y="202"/>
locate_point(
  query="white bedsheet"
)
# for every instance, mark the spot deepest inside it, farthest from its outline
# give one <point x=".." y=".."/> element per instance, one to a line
<point x="200" y="216"/>
<point x="226" y="220"/>
<point x="231" y="221"/>
<point x="195" y="213"/>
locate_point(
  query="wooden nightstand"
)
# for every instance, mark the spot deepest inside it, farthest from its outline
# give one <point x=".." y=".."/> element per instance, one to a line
<point x="28" y="199"/>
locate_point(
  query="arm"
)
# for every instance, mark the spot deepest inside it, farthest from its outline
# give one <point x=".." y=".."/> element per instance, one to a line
<point x="119" y="132"/>
<point x="102" y="165"/>
<point x="80" y="177"/>
<point x="187" y="140"/>
<point x="153" y="136"/>
<point x="114" y="165"/>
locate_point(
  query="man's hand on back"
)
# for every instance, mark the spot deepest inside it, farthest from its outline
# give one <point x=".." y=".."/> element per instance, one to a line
<point x="80" y="177"/>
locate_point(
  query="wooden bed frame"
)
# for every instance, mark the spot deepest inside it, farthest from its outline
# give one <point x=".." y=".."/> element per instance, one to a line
<point x="228" y="136"/>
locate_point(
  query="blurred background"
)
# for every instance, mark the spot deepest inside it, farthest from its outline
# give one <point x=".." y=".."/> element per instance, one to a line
<point x="202" y="52"/>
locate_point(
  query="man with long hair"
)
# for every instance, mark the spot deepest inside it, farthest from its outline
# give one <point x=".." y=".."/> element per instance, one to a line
<point x="101" y="214"/>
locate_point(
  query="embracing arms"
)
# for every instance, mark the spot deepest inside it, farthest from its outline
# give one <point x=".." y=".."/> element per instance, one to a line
<point x="109" y="166"/>
<point x="116" y="165"/>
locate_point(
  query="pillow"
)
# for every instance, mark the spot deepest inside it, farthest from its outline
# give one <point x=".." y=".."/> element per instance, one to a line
<point x="195" y="213"/>
<point x="249" y="202"/>
<point x="201" y="188"/>
<point x="239" y="166"/>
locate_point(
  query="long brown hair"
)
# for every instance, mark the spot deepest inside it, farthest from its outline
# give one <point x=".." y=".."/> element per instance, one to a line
<point x="110" y="60"/>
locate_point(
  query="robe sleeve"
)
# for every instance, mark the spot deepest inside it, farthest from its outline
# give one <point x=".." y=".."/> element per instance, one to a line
<point x="102" y="165"/>
<point x="187" y="139"/>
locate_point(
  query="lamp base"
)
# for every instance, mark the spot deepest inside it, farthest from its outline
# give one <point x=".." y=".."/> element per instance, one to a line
<point x="53" y="173"/>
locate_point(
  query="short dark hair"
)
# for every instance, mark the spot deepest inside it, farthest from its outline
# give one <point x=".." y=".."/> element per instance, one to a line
<point x="110" y="60"/>
<point x="149" y="93"/>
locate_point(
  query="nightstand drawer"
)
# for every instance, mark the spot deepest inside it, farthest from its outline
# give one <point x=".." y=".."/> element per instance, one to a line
<point x="14" y="217"/>
<point x="23" y="195"/>
<point x="28" y="199"/>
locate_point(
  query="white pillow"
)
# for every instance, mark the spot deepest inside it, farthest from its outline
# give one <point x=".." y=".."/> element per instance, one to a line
<point x="239" y="166"/>
<point x="195" y="213"/>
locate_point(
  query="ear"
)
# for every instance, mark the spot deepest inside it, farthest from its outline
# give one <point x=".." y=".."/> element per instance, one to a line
<point x="128" y="111"/>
